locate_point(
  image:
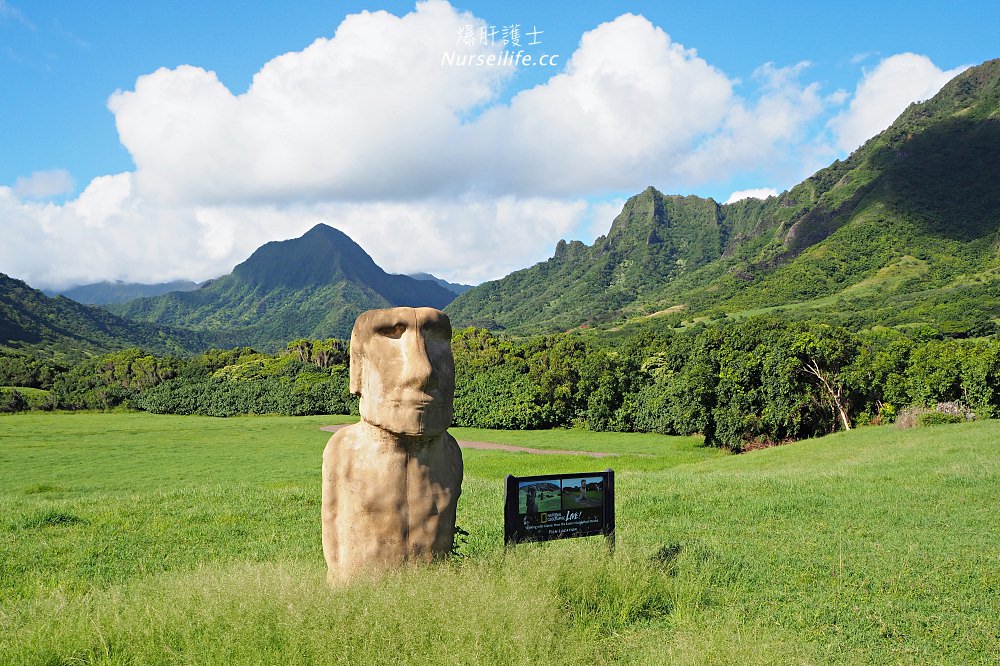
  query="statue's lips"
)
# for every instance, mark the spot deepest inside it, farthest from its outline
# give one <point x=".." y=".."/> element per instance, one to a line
<point x="422" y="402"/>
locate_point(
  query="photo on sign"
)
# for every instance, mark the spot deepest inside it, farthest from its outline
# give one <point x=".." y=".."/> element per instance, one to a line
<point x="538" y="497"/>
<point x="583" y="493"/>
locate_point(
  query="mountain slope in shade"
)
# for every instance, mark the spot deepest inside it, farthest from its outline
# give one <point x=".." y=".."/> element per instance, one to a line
<point x="30" y="320"/>
<point x="909" y="223"/>
<point x="313" y="286"/>
<point x="906" y="230"/>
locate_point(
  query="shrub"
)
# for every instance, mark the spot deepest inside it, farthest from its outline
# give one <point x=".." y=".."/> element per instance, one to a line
<point x="955" y="409"/>
<point x="11" y="400"/>
<point x="938" y="418"/>
<point x="943" y="412"/>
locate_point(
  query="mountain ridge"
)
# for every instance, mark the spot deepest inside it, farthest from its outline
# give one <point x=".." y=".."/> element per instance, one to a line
<point x="107" y="292"/>
<point x="923" y="187"/>
<point x="455" y="287"/>
<point x="311" y="286"/>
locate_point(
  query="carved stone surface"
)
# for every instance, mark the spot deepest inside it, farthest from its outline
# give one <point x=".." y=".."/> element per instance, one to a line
<point x="391" y="482"/>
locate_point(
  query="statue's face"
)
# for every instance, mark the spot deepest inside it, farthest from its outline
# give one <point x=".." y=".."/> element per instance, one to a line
<point x="402" y="366"/>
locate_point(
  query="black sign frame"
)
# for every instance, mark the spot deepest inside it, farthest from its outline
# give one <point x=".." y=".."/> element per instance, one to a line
<point x="559" y="506"/>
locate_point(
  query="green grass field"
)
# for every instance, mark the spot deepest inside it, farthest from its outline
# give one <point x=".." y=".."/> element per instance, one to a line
<point x="142" y="539"/>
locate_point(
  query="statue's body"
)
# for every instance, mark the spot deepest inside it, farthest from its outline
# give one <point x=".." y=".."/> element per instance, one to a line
<point x="391" y="482"/>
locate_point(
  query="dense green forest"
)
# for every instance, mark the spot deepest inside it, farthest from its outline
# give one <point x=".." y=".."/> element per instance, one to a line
<point x="744" y="384"/>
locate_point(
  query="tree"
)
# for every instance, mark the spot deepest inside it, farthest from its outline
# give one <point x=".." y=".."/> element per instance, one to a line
<point x="824" y="353"/>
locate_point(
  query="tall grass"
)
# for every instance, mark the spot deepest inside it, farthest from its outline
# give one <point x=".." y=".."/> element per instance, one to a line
<point x="508" y="609"/>
<point x="141" y="539"/>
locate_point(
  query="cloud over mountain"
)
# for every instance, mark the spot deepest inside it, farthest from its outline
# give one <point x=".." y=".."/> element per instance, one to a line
<point x="428" y="165"/>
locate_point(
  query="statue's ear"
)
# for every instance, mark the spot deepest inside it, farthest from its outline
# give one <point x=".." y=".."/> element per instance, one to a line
<point x="356" y="362"/>
<point x="357" y="344"/>
<point x="355" y="370"/>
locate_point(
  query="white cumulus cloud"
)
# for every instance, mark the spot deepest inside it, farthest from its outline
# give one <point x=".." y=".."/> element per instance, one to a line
<point x="757" y="193"/>
<point x="628" y="105"/>
<point x="105" y="233"/>
<point x="884" y="93"/>
<point x="370" y="112"/>
<point x="764" y="130"/>
<point x="375" y="113"/>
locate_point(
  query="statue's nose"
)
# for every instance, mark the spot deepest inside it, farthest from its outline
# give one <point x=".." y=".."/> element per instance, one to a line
<point x="418" y="371"/>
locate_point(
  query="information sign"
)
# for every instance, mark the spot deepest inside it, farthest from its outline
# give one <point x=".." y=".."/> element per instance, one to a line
<point x="559" y="506"/>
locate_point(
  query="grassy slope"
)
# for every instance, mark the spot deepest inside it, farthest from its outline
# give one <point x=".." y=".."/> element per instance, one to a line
<point x="133" y="538"/>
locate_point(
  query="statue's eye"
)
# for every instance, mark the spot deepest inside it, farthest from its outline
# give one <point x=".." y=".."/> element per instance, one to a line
<point x="395" y="331"/>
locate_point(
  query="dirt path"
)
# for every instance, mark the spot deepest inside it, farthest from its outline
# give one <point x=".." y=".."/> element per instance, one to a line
<point x="493" y="446"/>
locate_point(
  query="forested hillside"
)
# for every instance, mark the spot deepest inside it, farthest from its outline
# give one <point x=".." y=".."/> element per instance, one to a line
<point x="655" y="239"/>
<point x="31" y="322"/>
<point x="905" y="231"/>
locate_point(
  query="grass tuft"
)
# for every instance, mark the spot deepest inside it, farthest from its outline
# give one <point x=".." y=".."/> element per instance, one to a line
<point x="51" y="518"/>
<point x="40" y="488"/>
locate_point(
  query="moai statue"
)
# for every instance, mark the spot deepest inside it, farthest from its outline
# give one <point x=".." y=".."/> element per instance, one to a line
<point x="391" y="482"/>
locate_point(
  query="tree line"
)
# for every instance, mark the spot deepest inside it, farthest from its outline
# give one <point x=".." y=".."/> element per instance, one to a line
<point x="741" y="384"/>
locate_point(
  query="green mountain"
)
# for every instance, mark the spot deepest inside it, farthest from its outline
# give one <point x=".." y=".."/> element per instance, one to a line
<point x="655" y="239"/>
<point x="30" y="321"/>
<point x="104" y="293"/>
<point x="313" y="286"/>
<point x="904" y="231"/>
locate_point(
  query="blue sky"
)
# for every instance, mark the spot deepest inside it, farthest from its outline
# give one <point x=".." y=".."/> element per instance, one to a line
<point x="465" y="172"/>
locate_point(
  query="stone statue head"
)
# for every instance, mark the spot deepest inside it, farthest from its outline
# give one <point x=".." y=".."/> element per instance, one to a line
<point x="402" y="366"/>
